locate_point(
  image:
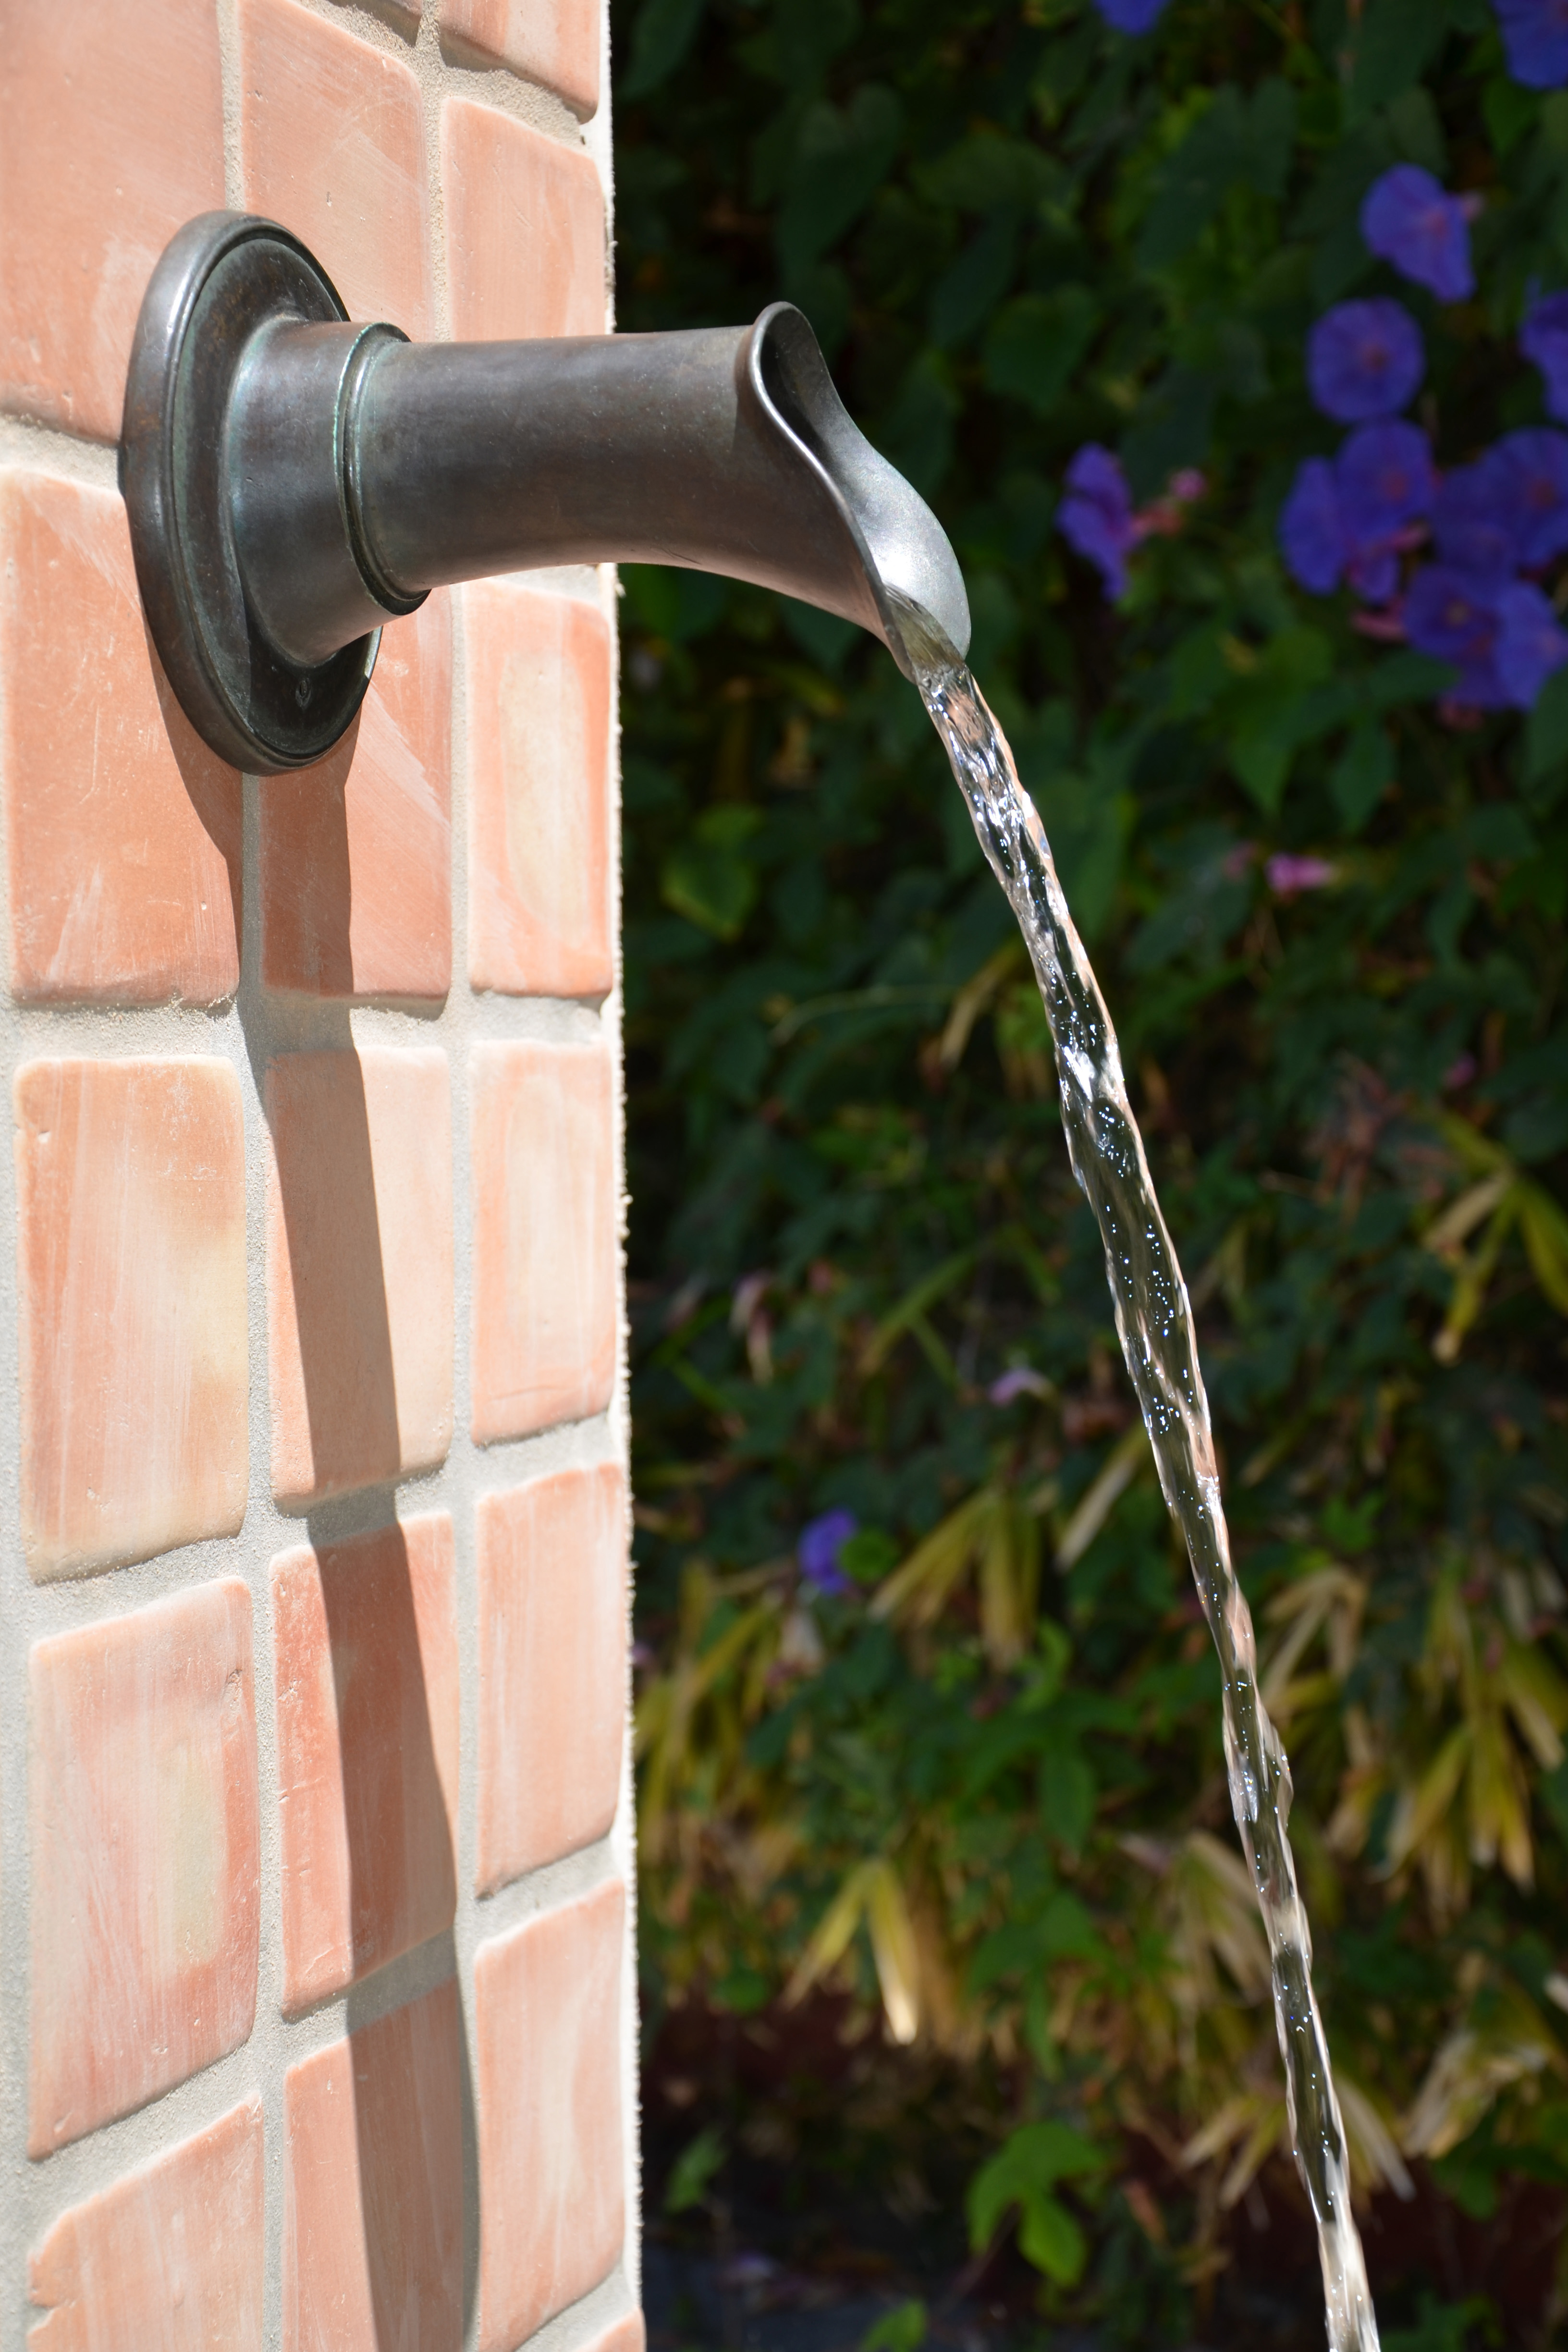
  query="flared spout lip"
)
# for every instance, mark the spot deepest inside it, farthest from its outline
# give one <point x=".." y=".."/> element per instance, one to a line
<point x="902" y="549"/>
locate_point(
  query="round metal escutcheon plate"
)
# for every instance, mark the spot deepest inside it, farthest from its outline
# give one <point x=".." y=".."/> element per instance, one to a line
<point x="224" y="278"/>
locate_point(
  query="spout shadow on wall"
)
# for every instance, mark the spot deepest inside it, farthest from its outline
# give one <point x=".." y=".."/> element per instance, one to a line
<point x="367" y="1760"/>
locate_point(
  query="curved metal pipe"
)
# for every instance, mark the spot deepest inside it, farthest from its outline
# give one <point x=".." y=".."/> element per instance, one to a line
<point x="293" y="480"/>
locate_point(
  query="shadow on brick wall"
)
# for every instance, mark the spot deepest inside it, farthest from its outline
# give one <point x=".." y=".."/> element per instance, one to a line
<point x="403" y="2247"/>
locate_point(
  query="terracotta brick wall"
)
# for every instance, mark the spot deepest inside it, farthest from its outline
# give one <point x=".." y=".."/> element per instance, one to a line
<point x="316" y="1990"/>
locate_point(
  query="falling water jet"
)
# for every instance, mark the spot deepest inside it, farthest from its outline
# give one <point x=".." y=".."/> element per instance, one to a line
<point x="1153" y="1318"/>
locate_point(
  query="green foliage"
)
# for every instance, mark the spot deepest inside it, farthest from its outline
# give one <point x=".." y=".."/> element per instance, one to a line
<point x="1444" y="2327"/>
<point x="981" y="1790"/>
<point x="1024" y="2175"/>
<point x="693" y="2169"/>
<point x="899" y="2330"/>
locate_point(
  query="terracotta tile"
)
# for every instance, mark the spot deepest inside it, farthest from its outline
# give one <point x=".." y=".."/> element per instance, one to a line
<point x="539" y="844"/>
<point x="373" y="2217"/>
<point x="627" y="2334"/>
<point x="359" y="1268"/>
<point x="546" y="1246"/>
<point x="143" y="1820"/>
<point x="122" y="829"/>
<point x="525" y="229"/>
<point x="547" y="2039"/>
<point x="552" y="1651"/>
<point x="357" y="852"/>
<point x="367" y="1682"/>
<point x="168" y="2259"/>
<point x="555" y="42"/>
<point x="131" y="1266"/>
<point x="331" y="142"/>
<point x="111" y="137"/>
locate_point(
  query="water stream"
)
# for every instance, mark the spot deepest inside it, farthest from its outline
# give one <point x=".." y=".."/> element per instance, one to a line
<point x="1154" y="1320"/>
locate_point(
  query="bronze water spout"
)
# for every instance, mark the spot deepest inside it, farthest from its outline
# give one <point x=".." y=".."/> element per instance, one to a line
<point x="294" y="481"/>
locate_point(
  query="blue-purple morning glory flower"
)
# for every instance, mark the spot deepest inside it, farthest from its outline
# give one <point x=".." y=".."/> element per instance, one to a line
<point x="821" y="1542"/>
<point x="1096" y="516"/>
<point x="1535" y="41"/>
<point x="1450" y="614"/>
<point x="1410" y="219"/>
<point x="1529" y="644"/>
<point x="1478" y="519"/>
<point x="1364" y="360"/>
<point x="1535" y="462"/>
<point x="1353" y="518"/>
<point x="1453" y="617"/>
<point x="1130" y="15"/>
<point x="1543" y="338"/>
<point x="1385" y="482"/>
<point x="1311" y="528"/>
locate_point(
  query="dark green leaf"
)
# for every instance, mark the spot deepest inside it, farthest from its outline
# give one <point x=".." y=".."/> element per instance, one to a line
<point x="1398" y="41"/>
<point x="1036" y="342"/>
<point x="664" y="31"/>
<point x="1361" y="774"/>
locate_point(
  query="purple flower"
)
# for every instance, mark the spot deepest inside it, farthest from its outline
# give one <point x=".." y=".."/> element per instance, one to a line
<point x="1453" y="617"/>
<point x="1021" y="1381"/>
<point x="1130" y="15"/>
<point x="1479" y="521"/>
<point x="1289" y="876"/>
<point x="1450" y="614"/>
<point x="1354" y="518"/>
<point x="1535" y="38"/>
<point x="1535" y="462"/>
<point x="1385" y="485"/>
<point x="1410" y="219"/>
<point x="821" y="1542"/>
<point x="1543" y="338"/>
<point x="1385" y="478"/>
<point x="1364" y="360"/>
<point x="1096" y="516"/>
<point x="1530" y="645"/>
<point x="1311" y="527"/>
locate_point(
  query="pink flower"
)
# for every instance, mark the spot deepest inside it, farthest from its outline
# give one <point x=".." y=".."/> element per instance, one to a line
<point x="1163" y="517"/>
<point x="1289" y="876"/>
<point x="1388" y="627"/>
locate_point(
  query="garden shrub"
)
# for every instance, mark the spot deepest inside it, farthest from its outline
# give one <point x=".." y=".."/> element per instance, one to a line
<point x="1227" y="340"/>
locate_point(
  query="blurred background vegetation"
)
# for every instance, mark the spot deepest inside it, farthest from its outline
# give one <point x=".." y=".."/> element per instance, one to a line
<point x="950" y="1962"/>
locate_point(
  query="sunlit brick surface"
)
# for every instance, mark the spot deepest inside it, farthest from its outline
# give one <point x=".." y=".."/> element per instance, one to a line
<point x="131" y="1249"/>
<point x="117" y="113"/>
<point x="555" y="42"/>
<point x="122" y="828"/>
<point x="332" y="145"/>
<point x="550" y="2198"/>
<point x="552" y="1639"/>
<point x="539" y="858"/>
<point x="145" y="1894"/>
<point x="525" y="229"/>
<point x="171" y="2256"/>
<point x="544" y="1224"/>
<point x="318" y="1838"/>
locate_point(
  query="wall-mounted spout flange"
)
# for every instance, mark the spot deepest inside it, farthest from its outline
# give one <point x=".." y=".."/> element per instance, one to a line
<point x="222" y="285"/>
<point x="293" y="480"/>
